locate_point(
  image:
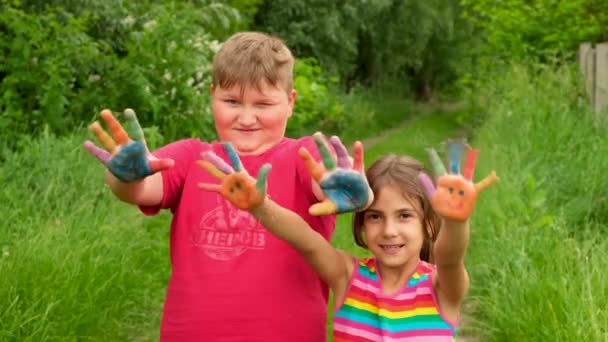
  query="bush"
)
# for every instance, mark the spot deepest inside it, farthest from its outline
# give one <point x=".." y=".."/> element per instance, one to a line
<point x="539" y="29"/>
<point x="58" y="70"/>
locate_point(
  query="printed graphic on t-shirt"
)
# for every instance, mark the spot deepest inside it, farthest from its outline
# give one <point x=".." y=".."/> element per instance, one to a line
<point x="227" y="232"/>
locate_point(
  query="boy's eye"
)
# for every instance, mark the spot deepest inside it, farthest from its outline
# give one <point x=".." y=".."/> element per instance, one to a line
<point x="231" y="101"/>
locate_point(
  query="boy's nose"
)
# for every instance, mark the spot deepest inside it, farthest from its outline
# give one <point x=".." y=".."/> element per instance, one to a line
<point x="247" y="117"/>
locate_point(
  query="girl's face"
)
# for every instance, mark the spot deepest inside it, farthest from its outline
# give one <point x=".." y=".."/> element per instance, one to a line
<point x="393" y="228"/>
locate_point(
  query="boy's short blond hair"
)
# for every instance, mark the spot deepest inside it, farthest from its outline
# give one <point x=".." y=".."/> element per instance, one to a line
<point x="248" y="58"/>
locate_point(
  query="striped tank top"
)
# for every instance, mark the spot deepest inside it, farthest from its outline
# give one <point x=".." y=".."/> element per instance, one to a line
<point x="410" y="314"/>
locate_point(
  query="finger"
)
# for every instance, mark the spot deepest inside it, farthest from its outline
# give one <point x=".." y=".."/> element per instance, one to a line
<point x="436" y="163"/>
<point x="341" y="153"/>
<point x="326" y="207"/>
<point x="427" y="183"/>
<point x="211" y="169"/>
<point x="99" y="153"/>
<point x="316" y="171"/>
<point x="262" y="178"/>
<point x="234" y="157"/>
<point x="210" y="187"/>
<point x="135" y="131"/>
<point x="328" y="159"/>
<point x="358" y="151"/>
<point x="217" y="161"/>
<point x="104" y="138"/>
<point x="161" y="164"/>
<point x="455" y="149"/>
<point x="487" y="182"/>
<point x="469" y="166"/>
<point x="119" y="133"/>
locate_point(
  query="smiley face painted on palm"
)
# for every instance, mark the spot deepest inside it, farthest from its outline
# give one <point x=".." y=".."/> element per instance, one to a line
<point x="455" y="197"/>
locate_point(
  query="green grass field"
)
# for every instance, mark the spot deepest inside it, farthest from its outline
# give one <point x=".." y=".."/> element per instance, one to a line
<point x="75" y="264"/>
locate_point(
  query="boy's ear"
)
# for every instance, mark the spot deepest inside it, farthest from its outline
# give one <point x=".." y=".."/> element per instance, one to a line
<point x="211" y="90"/>
<point x="291" y="100"/>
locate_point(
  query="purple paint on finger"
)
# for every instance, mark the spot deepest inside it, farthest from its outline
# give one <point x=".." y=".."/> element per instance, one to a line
<point x="427" y="183"/>
<point x="341" y="153"/>
<point x="218" y="162"/>
<point x="101" y="154"/>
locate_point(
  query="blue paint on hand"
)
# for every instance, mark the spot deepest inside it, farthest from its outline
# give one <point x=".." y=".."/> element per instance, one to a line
<point x="131" y="163"/>
<point x="347" y="189"/>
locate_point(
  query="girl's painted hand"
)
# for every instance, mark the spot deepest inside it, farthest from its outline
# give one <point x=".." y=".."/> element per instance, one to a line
<point x="128" y="160"/>
<point x="456" y="194"/>
<point x="344" y="185"/>
<point x="237" y="186"/>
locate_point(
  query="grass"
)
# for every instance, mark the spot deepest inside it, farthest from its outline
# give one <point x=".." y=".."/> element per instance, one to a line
<point x="76" y="264"/>
<point x="539" y="255"/>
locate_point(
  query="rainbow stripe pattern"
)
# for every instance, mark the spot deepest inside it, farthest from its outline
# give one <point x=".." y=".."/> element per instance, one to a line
<point x="409" y="315"/>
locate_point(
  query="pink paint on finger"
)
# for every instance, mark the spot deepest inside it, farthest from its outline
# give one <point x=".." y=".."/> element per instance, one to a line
<point x="218" y="162"/>
<point x="427" y="183"/>
<point x="99" y="153"/>
<point x="469" y="166"/>
<point x="341" y="152"/>
<point x="358" y="151"/>
<point x="209" y="187"/>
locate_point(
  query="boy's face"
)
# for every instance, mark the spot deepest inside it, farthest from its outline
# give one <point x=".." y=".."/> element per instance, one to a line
<point x="252" y="120"/>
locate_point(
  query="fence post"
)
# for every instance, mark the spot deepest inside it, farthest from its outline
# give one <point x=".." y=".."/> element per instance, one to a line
<point x="586" y="62"/>
<point x="601" y="80"/>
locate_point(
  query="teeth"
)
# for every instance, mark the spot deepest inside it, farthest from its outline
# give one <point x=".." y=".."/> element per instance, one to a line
<point x="391" y="246"/>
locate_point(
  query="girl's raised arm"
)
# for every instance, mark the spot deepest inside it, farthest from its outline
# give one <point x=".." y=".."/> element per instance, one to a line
<point x="454" y="200"/>
<point x="333" y="266"/>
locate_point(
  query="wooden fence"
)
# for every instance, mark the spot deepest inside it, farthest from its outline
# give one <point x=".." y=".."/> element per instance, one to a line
<point x="593" y="62"/>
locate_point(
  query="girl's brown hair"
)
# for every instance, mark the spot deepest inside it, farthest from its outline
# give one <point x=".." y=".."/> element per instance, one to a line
<point x="401" y="172"/>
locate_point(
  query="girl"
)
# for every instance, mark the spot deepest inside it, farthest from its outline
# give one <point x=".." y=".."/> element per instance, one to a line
<point x="397" y="295"/>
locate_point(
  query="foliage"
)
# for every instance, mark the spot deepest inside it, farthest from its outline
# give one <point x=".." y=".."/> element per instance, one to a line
<point x="423" y="43"/>
<point x="540" y="28"/>
<point x="58" y="69"/>
<point x="316" y="109"/>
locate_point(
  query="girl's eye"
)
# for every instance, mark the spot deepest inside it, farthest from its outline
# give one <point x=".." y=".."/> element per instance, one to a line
<point x="405" y="216"/>
<point x="372" y="217"/>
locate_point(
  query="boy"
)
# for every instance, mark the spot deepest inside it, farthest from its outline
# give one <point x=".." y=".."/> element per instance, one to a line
<point x="231" y="280"/>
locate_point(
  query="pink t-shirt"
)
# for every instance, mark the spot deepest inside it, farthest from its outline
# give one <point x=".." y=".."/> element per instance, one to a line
<point x="231" y="279"/>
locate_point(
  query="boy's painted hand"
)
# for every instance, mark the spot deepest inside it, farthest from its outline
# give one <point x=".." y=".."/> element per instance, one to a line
<point x="456" y="194"/>
<point x="128" y="160"/>
<point x="237" y="186"/>
<point x="344" y="185"/>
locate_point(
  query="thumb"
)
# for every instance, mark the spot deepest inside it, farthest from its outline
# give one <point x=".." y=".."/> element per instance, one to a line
<point x="158" y="165"/>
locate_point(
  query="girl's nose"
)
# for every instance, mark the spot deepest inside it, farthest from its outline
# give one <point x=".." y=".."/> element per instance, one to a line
<point x="389" y="230"/>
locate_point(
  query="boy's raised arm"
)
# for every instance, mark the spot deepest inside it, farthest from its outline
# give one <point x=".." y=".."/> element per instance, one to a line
<point x="132" y="171"/>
